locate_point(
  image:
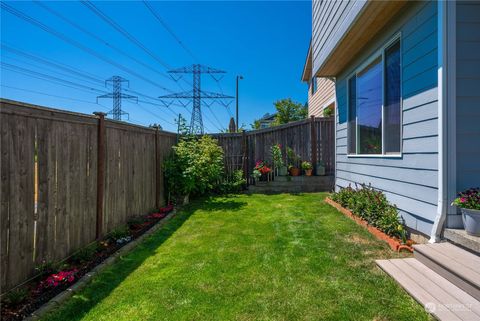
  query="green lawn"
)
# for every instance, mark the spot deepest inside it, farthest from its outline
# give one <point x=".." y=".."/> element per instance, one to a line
<point x="280" y="257"/>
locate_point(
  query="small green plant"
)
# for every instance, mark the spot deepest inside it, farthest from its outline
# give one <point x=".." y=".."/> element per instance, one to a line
<point x="46" y="267"/>
<point x="293" y="159"/>
<point x="276" y="151"/>
<point x="16" y="296"/>
<point x="122" y="231"/>
<point x="328" y="112"/>
<point x="85" y="254"/>
<point x="306" y="165"/>
<point x="233" y="184"/>
<point x="372" y="206"/>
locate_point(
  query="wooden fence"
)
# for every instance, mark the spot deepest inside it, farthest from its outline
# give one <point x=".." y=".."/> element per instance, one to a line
<point x="67" y="179"/>
<point x="312" y="139"/>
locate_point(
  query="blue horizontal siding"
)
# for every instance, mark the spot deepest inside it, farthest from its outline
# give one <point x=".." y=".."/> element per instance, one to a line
<point x="468" y="97"/>
<point x="409" y="181"/>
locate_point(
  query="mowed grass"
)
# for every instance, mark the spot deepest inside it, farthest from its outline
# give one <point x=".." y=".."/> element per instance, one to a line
<point x="258" y="257"/>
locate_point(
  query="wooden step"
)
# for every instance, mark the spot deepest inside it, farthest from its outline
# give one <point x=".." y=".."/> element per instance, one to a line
<point x="460" y="267"/>
<point x="440" y="297"/>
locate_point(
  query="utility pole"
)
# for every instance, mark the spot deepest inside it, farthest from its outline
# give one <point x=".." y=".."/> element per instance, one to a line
<point x="196" y="94"/>
<point x="236" y="104"/>
<point x="117" y="96"/>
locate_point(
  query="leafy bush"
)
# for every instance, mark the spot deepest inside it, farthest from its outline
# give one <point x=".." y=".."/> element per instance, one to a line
<point x="122" y="231"/>
<point x="372" y="206"/>
<point x="16" y="296"/>
<point x="292" y="158"/>
<point x="234" y="184"/>
<point x="195" y="167"/>
<point x="85" y="254"/>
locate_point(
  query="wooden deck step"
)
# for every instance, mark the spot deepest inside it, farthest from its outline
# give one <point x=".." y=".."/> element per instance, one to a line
<point x="441" y="298"/>
<point x="460" y="267"/>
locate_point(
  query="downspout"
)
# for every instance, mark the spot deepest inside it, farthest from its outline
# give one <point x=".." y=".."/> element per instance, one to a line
<point x="442" y="122"/>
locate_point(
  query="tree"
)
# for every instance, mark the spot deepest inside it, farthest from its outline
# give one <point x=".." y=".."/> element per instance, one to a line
<point x="256" y="124"/>
<point x="288" y="111"/>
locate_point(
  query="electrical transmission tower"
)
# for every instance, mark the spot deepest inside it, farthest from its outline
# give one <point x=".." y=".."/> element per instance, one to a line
<point x="197" y="95"/>
<point x="117" y="96"/>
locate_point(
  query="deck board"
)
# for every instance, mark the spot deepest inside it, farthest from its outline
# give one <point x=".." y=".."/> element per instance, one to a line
<point x="445" y="258"/>
<point x="427" y="287"/>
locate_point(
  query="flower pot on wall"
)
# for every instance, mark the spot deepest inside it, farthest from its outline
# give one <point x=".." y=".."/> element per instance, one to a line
<point x="294" y="171"/>
<point x="320" y="170"/>
<point x="282" y="171"/>
<point x="308" y="172"/>
<point x="471" y="221"/>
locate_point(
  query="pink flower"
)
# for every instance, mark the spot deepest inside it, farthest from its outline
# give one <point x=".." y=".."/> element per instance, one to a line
<point x="463" y="200"/>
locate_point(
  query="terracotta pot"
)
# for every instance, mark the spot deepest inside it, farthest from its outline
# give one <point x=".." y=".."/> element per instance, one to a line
<point x="294" y="171"/>
<point x="308" y="172"/>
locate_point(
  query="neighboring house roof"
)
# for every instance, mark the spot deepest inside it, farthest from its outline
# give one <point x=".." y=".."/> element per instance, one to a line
<point x="307" y="67"/>
<point x="268" y="117"/>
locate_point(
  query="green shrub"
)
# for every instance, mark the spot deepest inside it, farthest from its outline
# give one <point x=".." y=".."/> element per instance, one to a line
<point x="195" y="167"/>
<point x="372" y="206"/>
<point x="16" y="296"/>
<point x="122" y="231"/>
<point x="233" y="184"/>
<point x="85" y="254"/>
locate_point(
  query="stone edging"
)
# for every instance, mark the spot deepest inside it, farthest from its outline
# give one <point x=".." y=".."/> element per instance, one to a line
<point x="393" y="243"/>
<point x="80" y="284"/>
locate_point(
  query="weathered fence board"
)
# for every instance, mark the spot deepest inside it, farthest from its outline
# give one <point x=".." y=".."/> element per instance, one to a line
<point x="49" y="183"/>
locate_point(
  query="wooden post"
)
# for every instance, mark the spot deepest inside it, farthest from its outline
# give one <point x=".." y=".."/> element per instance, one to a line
<point x="313" y="141"/>
<point x="157" y="169"/>
<point x="100" y="172"/>
<point x="244" y="156"/>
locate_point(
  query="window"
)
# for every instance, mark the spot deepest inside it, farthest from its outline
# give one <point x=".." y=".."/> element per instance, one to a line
<point x="314" y="85"/>
<point x="374" y="105"/>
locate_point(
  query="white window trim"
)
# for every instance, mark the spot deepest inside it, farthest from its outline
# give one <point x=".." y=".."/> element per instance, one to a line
<point x="379" y="53"/>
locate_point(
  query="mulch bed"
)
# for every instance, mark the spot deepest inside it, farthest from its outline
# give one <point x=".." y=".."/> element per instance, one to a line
<point x="39" y="295"/>
<point x="394" y="243"/>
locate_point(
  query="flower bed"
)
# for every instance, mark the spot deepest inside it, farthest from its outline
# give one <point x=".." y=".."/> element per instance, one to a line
<point x="370" y="209"/>
<point x="55" y="278"/>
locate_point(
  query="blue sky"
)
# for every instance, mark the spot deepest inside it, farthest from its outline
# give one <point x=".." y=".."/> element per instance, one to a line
<point x="266" y="42"/>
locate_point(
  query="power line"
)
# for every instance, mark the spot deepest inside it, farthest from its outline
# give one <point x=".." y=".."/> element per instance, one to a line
<point x="170" y="31"/>
<point x="125" y="33"/>
<point x="75" y="43"/>
<point x="75" y="71"/>
<point x="93" y="35"/>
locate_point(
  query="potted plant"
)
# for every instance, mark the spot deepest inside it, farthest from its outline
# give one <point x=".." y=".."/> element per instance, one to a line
<point x="320" y="168"/>
<point x="293" y="160"/>
<point x="307" y="167"/>
<point x="262" y="168"/>
<point x="278" y="160"/>
<point x="469" y="203"/>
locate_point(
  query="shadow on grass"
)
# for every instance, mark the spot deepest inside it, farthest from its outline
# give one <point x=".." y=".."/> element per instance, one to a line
<point x="213" y="203"/>
<point x="104" y="283"/>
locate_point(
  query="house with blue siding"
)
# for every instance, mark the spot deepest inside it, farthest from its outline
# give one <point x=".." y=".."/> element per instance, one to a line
<point x="407" y="89"/>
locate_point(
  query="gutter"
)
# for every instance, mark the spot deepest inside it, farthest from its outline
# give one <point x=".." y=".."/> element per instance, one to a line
<point x="443" y="98"/>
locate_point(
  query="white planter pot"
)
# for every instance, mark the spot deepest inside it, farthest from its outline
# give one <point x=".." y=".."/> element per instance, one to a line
<point x="471" y="221"/>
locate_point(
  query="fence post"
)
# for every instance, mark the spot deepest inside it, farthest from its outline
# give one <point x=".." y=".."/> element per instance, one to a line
<point x="313" y="142"/>
<point x="100" y="172"/>
<point x="244" y="156"/>
<point x="157" y="169"/>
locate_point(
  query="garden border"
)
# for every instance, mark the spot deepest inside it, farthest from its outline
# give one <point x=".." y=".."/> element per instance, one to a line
<point x="393" y="243"/>
<point x="56" y="301"/>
